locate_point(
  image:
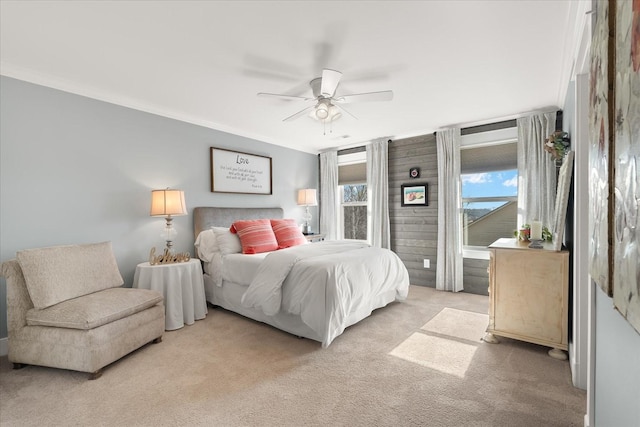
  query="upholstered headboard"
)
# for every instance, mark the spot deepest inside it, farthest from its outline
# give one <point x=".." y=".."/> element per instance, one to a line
<point x="207" y="217"/>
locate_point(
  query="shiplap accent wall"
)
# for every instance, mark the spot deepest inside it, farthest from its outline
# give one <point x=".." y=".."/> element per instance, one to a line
<point x="414" y="230"/>
<point x="476" y="276"/>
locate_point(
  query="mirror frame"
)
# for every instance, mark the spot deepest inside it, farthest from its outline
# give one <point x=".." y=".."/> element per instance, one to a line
<point x="562" y="199"/>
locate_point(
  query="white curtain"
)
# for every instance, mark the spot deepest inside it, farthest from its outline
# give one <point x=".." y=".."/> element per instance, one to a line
<point x="536" y="170"/>
<point x="378" y="192"/>
<point x="449" y="261"/>
<point x="329" y="194"/>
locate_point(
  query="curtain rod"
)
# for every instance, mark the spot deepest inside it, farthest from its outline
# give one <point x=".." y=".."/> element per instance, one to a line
<point x="357" y="149"/>
<point x="489" y="122"/>
<point x="471" y="128"/>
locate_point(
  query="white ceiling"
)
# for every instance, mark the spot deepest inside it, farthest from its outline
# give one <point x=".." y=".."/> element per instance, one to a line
<point x="447" y="62"/>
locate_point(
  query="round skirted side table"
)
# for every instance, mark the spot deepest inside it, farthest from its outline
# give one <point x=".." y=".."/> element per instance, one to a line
<point x="181" y="284"/>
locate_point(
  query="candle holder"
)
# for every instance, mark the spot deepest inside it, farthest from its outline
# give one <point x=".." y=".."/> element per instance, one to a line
<point x="536" y="230"/>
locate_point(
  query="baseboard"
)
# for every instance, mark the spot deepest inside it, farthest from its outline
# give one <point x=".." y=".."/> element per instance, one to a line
<point x="4" y="346"/>
<point x="578" y="376"/>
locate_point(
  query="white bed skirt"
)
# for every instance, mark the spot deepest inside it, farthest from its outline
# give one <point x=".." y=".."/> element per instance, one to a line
<point x="229" y="295"/>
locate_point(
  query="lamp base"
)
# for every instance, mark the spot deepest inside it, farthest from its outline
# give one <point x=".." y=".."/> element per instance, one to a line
<point x="306" y="229"/>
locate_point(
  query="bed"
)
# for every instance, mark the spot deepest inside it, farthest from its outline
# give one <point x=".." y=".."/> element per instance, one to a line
<point x="314" y="290"/>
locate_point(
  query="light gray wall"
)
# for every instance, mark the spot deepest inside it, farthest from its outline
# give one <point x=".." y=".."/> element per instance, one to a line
<point x="76" y="170"/>
<point x="617" y="359"/>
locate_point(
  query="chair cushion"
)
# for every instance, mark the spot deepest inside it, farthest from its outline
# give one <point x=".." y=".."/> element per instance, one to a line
<point x="94" y="310"/>
<point x="60" y="273"/>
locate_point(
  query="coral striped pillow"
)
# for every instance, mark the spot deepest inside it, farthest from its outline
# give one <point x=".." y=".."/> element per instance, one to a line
<point x="287" y="233"/>
<point x="256" y="236"/>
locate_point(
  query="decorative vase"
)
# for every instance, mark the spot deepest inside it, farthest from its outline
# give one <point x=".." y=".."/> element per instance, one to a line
<point x="524" y="234"/>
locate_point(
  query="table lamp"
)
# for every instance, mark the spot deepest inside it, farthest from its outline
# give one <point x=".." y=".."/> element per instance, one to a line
<point x="168" y="203"/>
<point x="306" y="198"/>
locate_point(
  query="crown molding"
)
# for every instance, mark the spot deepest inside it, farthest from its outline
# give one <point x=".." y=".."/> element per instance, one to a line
<point x="578" y="20"/>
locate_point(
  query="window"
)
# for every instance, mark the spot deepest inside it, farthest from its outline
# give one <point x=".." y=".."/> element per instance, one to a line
<point x="489" y="177"/>
<point x="489" y="203"/>
<point x="353" y="211"/>
<point x="352" y="180"/>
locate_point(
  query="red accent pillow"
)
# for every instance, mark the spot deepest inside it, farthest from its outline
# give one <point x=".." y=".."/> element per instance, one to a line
<point x="287" y="233"/>
<point x="256" y="236"/>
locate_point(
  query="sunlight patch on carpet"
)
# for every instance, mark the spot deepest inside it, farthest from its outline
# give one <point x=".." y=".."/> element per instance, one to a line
<point x="462" y="324"/>
<point x="447" y="356"/>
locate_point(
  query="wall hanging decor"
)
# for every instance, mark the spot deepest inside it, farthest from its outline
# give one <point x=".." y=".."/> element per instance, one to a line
<point x="614" y="155"/>
<point x="600" y="151"/>
<point x="414" y="194"/>
<point x="237" y="172"/>
<point x="626" y="183"/>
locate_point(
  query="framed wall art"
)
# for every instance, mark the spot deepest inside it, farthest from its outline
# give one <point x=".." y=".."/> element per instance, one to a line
<point x="414" y="194"/>
<point x="237" y="172"/>
<point x="626" y="184"/>
<point x="600" y="153"/>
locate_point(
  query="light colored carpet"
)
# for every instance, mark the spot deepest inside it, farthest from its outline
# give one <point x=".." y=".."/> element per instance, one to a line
<point x="402" y="366"/>
<point x="463" y="324"/>
<point x="448" y="353"/>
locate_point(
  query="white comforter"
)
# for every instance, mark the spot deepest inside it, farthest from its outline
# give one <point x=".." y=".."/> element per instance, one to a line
<point x="326" y="283"/>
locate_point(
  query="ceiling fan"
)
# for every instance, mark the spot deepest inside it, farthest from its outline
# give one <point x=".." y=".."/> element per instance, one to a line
<point x="326" y="106"/>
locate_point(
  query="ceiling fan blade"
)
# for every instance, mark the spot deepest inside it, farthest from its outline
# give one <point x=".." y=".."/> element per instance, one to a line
<point x="330" y="81"/>
<point x="341" y="108"/>
<point x="298" y="114"/>
<point x="385" y="95"/>
<point x="287" y="97"/>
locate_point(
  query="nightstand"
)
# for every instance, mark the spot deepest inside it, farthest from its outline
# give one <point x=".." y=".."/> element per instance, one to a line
<point x="314" y="237"/>
<point x="182" y="286"/>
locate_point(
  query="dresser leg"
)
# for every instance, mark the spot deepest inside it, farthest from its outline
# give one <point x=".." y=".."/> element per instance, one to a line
<point x="490" y="338"/>
<point x="556" y="353"/>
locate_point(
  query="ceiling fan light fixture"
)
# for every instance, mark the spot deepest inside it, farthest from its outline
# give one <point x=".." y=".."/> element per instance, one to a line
<point x="325" y="112"/>
<point x="334" y="113"/>
<point x="322" y="112"/>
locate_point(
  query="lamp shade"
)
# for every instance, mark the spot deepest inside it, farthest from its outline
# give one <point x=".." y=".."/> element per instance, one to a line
<point x="168" y="202"/>
<point x="307" y="197"/>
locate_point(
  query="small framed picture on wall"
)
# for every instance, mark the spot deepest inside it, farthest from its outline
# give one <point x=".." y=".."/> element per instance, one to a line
<point x="414" y="194"/>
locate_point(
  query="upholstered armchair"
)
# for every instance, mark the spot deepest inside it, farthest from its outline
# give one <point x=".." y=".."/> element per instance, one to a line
<point x="67" y="309"/>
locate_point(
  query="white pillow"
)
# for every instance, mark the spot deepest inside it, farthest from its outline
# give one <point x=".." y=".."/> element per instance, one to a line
<point x="206" y="245"/>
<point x="228" y="243"/>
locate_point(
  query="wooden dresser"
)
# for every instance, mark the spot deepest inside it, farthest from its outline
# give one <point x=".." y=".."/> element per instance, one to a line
<point x="528" y="294"/>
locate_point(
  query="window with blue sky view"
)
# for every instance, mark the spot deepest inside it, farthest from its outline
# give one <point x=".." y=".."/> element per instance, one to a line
<point x="483" y="196"/>
<point x="490" y="184"/>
